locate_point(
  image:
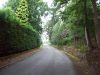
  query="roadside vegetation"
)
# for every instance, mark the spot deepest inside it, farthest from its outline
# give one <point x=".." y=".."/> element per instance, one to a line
<point x="75" y="28"/>
<point x="20" y="26"/>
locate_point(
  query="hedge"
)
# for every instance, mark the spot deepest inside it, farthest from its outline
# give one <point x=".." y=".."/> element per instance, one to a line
<point x="15" y="37"/>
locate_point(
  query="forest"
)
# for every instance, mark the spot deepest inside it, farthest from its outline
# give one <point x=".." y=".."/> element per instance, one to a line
<point x="74" y="23"/>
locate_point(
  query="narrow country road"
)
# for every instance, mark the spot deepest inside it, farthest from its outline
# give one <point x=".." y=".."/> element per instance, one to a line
<point x="49" y="61"/>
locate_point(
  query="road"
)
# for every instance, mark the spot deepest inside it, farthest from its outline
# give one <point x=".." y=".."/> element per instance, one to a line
<point x="49" y="61"/>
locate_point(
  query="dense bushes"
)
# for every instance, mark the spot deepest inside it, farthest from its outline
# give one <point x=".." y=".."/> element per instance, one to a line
<point x="15" y="36"/>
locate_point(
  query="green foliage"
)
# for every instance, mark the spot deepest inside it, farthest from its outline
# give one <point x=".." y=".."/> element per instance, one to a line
<point x="66" y="32"/>
<point x="8" y="15"/>
<point x="36" y="9"/>
<point x="69" y="27"/>
<point x="22" y="11"/>
<point x="61" y="1"/>
<point x="21" y="22"/>
<point x="33" y="8"/>
<point x="34" y="16"/>
<point x="13" y="4"/>
<point x="15" y="37"/>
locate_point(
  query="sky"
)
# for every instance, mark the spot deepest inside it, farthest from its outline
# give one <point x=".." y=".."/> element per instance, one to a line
<point x="2" y="2"/>
<point x="45" y="19"/>
<point x="99" y="0"/>
<point x="49" y="2"/>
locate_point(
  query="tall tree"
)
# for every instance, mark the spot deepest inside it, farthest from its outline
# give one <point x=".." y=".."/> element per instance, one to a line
<point x="86" y="26"/>
<point x="22" y="11"/>
<point x="97" y="26"/>
<point x="36" y="9"/>
<point x="77" y="17"/>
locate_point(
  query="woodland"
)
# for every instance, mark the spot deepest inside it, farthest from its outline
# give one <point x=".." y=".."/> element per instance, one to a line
<point x="73" y="23"/>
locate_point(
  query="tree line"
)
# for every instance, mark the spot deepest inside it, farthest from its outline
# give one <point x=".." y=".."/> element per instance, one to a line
<point x="78" y="20"/>
<point x="76" y="23"/>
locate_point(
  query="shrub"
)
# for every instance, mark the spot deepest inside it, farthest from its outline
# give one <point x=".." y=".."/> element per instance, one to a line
<point x="14" y="36"/>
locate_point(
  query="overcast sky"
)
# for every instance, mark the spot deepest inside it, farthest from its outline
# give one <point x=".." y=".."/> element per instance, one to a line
<point x="2" y="3"/>
<point x="45" y="19"/>
<point x="49" y="2"/>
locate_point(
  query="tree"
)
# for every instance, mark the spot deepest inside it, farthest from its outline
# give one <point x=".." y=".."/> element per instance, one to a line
<point x="96" y="24"/>
<point x="36" y="9"/>
<point x="13" y="4"/>
<point x="22" y="11"/>
<point x="87" y="33"/>
<point x="77" y="17"/>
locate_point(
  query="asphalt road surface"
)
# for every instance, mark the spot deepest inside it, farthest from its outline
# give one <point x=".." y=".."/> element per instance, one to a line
<point x="49" y="61"/>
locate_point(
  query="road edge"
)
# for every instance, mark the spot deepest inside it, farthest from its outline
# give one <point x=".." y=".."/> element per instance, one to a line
<point x="22" y="58"/>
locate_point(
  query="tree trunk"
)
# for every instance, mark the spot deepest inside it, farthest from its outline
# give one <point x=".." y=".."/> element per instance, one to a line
<point x="87" y="33"/>
<point x="96" y="24"/>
